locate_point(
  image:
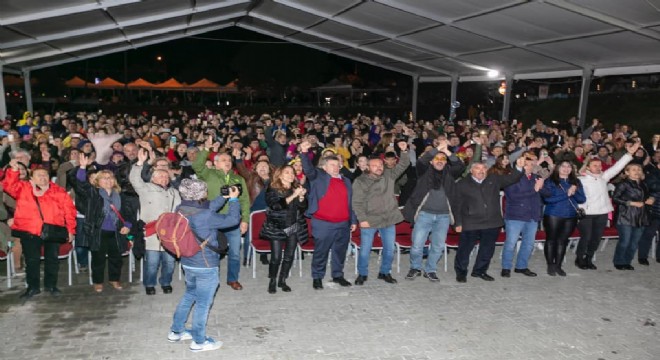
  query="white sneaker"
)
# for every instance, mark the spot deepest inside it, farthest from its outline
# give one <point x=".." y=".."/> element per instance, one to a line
<point x="176" y="337"/>
<point x="207" y="345"/>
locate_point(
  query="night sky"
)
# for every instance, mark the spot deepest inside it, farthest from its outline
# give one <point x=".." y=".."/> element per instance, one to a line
<point x="191" y="59"/>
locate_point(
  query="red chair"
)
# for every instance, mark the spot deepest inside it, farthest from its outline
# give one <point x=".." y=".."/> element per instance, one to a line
<point x="609" y="233"/>
<point x="377" y="244"/>
<point x="7" y="256"/>
<point x="65" y="252"/>
<point x="403" y="240"/>
<point x="257" y="244"/>
<point x="453" y="239"/>
<point x="307" y="247"/>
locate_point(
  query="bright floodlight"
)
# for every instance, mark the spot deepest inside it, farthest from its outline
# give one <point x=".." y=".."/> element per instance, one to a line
<point x="493" y="73"/>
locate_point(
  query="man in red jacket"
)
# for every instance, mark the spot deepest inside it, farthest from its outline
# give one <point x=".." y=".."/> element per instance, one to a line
<point x="33" y="196"/>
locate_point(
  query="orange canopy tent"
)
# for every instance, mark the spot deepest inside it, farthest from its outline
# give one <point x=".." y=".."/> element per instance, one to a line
<point x="204" y="85"/>
<point x="140" y="84"/>
<point x="109" y="83"/>
<point x="171" y="84"/>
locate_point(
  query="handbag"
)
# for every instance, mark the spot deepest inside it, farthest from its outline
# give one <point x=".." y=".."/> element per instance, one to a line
<point x="579" y="212"/>
<point x="50" y="232"/>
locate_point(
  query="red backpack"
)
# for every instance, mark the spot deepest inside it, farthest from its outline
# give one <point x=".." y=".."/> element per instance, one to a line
<point x="176" y="236"/>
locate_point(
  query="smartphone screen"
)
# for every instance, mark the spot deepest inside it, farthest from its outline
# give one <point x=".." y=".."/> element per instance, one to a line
<point x="10" y="137"/>
<point x="173" y="139"/>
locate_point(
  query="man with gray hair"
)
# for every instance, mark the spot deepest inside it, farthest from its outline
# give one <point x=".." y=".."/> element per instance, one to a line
<point x="478" y="216"/>
<point x="156" y="197"/>
<point x="222" y="175"/>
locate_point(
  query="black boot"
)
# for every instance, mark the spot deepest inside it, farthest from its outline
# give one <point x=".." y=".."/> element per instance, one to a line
<point x="273" y="269"/>
<point x="272" y="286"/>
<point x="282" y="283"/>
<point x="284" y="273"/>
<point x="581" y="263"/>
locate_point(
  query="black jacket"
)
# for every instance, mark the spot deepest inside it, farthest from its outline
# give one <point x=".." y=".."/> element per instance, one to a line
<point x="281" y="215"/>
<point x="90" y="203"/>
<point x="477" y="206"/>
<point x="452" y="171"/>
<point x="652" y="181"/>
<point x="625" y="192"/>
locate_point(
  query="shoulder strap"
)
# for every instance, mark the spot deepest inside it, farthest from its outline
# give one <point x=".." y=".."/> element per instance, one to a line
<point x="112" y="206"/>
<point x="202" y="243"/>
<point x="38" y="206"/>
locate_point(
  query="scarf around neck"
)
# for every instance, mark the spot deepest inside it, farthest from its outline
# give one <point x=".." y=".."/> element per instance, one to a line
<point x="112" y="198"/>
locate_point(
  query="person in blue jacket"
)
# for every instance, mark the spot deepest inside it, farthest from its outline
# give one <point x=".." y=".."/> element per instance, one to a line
<point x="562" y="192"/>
<point x="201" y="269"/>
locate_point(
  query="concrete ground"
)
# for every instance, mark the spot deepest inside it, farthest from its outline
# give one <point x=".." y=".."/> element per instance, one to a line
<point x="603" y="314"/>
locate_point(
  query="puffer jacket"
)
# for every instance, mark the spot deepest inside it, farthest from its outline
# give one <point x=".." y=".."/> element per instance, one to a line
<point x="373" y="197"/>
<point x="631" y="191"/>
<point x="154" y="201"/>
<point x="56" y="206"/>
<point x="281" y="215"/>
<point x="557" y="202"/>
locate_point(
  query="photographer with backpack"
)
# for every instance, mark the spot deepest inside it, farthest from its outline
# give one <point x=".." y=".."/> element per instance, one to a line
<point x="201" y="269"/>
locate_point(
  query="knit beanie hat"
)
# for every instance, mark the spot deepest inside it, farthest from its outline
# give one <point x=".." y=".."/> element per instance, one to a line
<point x="191" y="189"/>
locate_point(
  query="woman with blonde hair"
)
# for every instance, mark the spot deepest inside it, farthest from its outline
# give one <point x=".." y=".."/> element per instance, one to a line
<point x="104" y="227"/>
<point x="631" y="196"/>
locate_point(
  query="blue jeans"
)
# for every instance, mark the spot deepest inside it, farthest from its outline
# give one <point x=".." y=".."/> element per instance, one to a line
<point x="201" y="285"/>
<point x="515" y="228"/>
<point x="627" y="246"/>
<point x="234" y="255"/>
<point x="387" y="235"/>
<point x="82" y="252"/>
<point x="437" y="225"/>
<point x="153" y="259"/>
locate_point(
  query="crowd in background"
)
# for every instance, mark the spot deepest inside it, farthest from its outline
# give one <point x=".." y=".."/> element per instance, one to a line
<point x="84" y="152"/>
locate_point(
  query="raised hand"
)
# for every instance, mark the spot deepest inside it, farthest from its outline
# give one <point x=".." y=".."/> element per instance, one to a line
<point x="632" y="148"/>
<point x="304" y="146"/>
<point x="402" y="145"/>
<point x="538" y="185"/>
<point x="84" y="161"/>
<point x="142" y="156"/>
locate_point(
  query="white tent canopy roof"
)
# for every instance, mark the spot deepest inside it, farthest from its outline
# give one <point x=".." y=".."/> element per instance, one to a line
<point x="435" y="40"/>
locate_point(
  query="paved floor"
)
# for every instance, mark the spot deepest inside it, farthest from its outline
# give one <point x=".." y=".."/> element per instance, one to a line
<point x="603" y="314"/>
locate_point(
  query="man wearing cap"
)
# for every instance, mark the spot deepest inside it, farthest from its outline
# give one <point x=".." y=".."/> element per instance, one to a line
<point x="377" y="210"/>
<point x="428" y="207"/>
<point x="216" y="178"/>
<point x="333" y="218"/>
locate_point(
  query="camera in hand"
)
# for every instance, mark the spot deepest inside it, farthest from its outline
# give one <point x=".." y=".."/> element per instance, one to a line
<point x="225" y="189"/>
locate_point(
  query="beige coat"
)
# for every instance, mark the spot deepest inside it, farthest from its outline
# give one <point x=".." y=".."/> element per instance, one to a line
<point x="154" y="200"/>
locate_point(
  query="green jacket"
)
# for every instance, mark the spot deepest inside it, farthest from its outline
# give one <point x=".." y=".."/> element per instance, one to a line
<point x="215" y="179"/>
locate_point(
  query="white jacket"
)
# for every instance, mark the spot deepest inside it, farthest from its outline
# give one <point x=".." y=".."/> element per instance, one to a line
<point x="154" y="200"/>
<point x="595" y="188"/>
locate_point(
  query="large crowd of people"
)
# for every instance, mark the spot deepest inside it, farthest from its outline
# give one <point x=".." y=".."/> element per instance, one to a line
<point x="104" y="178"/>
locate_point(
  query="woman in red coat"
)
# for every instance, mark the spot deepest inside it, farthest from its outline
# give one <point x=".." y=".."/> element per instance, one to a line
<point x="57" y="209"/>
